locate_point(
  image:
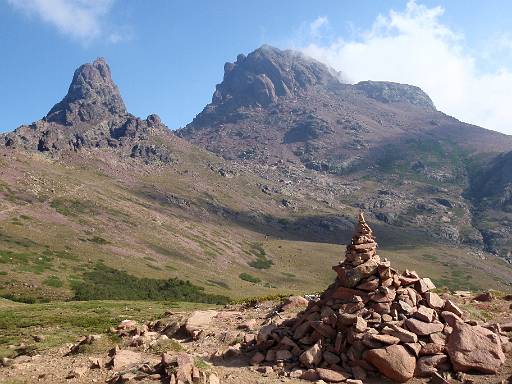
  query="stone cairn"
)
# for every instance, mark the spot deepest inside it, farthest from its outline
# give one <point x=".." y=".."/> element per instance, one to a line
<point x="373" y="320"/>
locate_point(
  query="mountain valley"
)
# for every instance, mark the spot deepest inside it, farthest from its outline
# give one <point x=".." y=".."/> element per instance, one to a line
<point x="256" y="195"/>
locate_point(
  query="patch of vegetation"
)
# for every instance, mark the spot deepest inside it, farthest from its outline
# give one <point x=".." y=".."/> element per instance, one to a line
<point x="252" y="300"/>
<point x="173" y="253"/>
<point x="288" y="274"/>
<point x="458" y="279"/>
<point x="162" y="346"/>
<point x="261" y="261"/>
<point x="25" y="299"/>
<point x="105" y="283"/>
<point x="53" y="281"/>
<point x="429" y="257"/>
<point x="3" y="273"/>
<point x="218" y="283"/>
<point x="72" y="207"/>
<point x="250" y="278"/>
<point x="65" y="254"/>
<point x="61" y="322"/>
<point x="155" y="267"/>
<point x="201" y="363"/>
<point x="98" y="240"/>
<point x="102" y="345"/>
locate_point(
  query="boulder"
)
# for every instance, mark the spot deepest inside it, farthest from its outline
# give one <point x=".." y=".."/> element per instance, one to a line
<point x="185" y="367"/>
<point x="421" y="328"/>
<point x="257" y="358"/>
<point x="351" y="277"/>
<point x="213" y="379"/>
<point x="427" y="365"/>
<point x="283" y="354"/>
<point x="394" y="362"/>
<point x="198" y="320"/>
<point x="485" y="296"/>
<point x="450" y="318"/>
<point x="424" y="314"/>
<point x="404" y="335"/>
<point x="451" y="307"/>
<point x="123" y="358"/>
<point x="294" y="302"/>
<point x="434" y="301"/>
<point x="330" y="376"/>
<point x="265" y="332"/>
<point x="424" y="285"/>
<point x="507" y="327"/>
<point x="474" y="349"/>
<point x="312" y="356"/>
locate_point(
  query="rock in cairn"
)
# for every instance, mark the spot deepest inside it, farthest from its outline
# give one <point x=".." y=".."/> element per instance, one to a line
<point x="374" y="320"/>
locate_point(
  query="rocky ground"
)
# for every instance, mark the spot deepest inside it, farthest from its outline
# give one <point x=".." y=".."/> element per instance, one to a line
<point x="213" y="340"/>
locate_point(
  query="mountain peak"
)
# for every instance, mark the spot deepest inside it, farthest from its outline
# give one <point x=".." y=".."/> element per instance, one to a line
<point x="92" y="96"/>
<point x="268" y="73"/>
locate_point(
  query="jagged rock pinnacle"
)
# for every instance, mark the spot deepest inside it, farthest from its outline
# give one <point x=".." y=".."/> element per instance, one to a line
<point x="92" y="96"/>
<point x="93" y="115"/>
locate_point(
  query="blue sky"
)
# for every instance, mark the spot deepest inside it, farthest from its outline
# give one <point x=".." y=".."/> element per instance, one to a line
<point x="166" y="56"/>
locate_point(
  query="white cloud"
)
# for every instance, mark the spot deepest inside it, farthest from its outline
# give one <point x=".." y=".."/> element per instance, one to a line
<point x="413" y="46"/>
<point x="316" y="25"/>
<point x="82" y="20"/>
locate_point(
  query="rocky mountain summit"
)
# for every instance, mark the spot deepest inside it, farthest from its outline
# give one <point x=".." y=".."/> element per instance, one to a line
<point x="92" y="97"/>
<point x="371" y="133"/>
<point x="91" y="115"/>
<point x="268" y="73"/>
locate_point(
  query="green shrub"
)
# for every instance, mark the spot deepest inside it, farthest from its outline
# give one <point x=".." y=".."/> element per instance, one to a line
<point x="105" y="283"/>
<point x="70" y="207"/>
<point x="53" y="281"/>
<point x="218" y="283"/>
<point x="25" y="299"/>
<point x="250" y="278"/>
<point x="98" y="240"/>
<point x="261" y="263"/>
<point x="162" y="346"/>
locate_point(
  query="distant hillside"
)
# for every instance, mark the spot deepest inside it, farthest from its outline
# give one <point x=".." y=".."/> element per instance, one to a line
<point x="403" y="160"/>
<point x="91" y="191"/>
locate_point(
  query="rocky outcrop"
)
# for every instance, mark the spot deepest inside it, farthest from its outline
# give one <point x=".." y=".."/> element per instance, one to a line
<point x="93" y="115"/>
<point x="374" y="319"/>
<point x="389" y="92"/>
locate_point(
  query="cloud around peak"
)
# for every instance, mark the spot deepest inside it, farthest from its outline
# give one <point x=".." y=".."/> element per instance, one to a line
<point x="413" y="46"/>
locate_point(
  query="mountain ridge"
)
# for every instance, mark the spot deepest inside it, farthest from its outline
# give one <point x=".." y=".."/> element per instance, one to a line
<point x="371" y="129"/>
<point x="248" y="188"/>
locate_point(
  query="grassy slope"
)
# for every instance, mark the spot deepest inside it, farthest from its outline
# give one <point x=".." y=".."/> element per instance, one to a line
<point x="63" y="322"/>
<point x="58" y="218"/>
